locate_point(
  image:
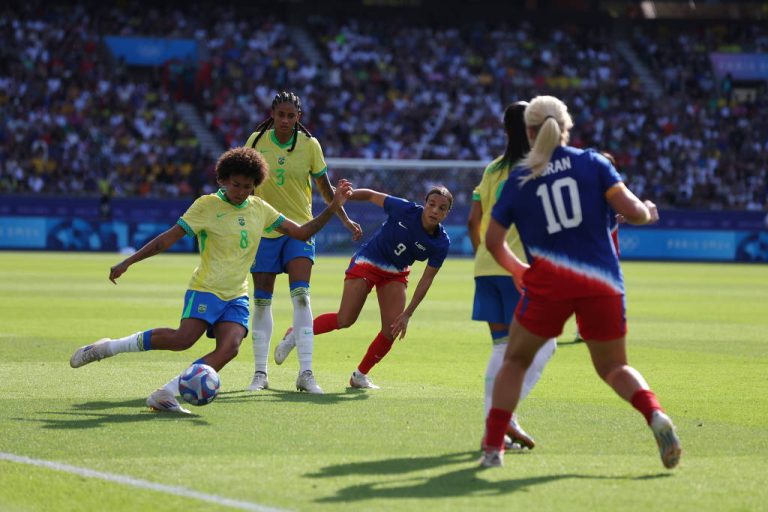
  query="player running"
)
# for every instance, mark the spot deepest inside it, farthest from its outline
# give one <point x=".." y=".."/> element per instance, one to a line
<point x="411" y="232"/>
<point x="560" y="199"/>
<point x="295" y="160"/>
<point x="228" y="225"/>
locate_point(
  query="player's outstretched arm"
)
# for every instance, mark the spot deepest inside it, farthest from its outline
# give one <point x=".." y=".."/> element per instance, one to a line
<point x="160" y="243"/>
<point x="366" y="194"/>
<point x="307" y="230"/>
<point x="327" y="191"/>
<point x="400" y="324"/>
<point x="626" y="204"/>
<point x="496" y="242"/>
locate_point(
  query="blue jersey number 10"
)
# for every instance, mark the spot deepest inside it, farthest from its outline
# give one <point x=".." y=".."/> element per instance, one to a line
<point x="557" y="217"/>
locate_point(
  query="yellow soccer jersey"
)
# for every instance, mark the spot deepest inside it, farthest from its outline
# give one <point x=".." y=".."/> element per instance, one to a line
<point x="487" y="192"/>
<point x="228" y="236"/>
<point x="289" y="185"/>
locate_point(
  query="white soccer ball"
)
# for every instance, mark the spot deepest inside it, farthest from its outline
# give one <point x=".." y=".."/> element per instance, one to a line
<point x="199" y="384"/>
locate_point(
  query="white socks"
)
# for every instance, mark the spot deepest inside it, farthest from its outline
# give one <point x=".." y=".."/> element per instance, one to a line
<point x="494" y="364"/>
<point x="302" y="328"/>
<point x="173" y="385"/>
<point x="532" y="375"/>
<point x="261" y="332"/>
<point x="130" y="343"/>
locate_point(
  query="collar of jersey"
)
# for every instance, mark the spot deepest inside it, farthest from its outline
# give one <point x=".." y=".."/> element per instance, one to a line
<point x="224" y="198"/>
<point x="280" y="144"/>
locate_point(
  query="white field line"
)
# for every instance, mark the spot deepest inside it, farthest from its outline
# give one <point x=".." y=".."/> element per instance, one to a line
<point x="137" y="482"/>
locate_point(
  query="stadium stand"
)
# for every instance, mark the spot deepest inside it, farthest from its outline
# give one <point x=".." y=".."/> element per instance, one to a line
<point x="78" y="121"/>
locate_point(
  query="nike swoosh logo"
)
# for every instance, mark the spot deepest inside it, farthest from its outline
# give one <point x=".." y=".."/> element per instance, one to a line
<point x="219" y="215"/>
<point x="402" y="225"/>
<point x="263" y="151"/>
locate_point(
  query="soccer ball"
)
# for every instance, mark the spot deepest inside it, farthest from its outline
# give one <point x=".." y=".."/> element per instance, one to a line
<point x="199" y="384"/>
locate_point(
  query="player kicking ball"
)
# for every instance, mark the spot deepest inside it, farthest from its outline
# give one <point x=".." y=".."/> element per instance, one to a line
<point x="228" y="225"/>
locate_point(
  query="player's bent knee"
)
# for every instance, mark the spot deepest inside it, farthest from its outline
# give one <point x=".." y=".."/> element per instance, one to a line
<point x="228" y="352"/>
<point x="609" y="373"/>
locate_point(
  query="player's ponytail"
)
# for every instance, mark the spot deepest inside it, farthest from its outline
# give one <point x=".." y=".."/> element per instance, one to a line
<point x="517" y="140"/>
<point x="549" y="117"/>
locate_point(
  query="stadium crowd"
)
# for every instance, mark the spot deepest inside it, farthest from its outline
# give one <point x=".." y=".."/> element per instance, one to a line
<point x="76" y="121"/>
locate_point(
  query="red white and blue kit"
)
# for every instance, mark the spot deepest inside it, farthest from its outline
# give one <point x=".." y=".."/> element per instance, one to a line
<point x="399" y="242"/>
<point x="564" y="222"/>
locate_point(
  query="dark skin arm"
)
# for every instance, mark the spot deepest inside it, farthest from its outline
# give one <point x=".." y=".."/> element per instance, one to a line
<point x="327" y="191"/>
<point x="160" y="243"/>
<point x="305" y="231"/>
<point x="473" y="224"/>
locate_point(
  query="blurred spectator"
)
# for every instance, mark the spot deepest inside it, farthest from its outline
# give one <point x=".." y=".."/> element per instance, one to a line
<point x="75" y="119"/>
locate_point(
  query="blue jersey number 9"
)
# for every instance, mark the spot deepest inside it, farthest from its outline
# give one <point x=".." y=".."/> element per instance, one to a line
<point x="399" y="249"/>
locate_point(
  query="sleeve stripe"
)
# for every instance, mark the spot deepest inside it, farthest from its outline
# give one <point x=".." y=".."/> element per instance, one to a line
<point x="319" y="173"/>
<point x="185" y="227"/>
<point x="615" y="189"/>
<point x="275" y="224"/>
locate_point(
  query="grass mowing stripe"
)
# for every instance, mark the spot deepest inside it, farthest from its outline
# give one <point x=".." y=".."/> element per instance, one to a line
<point x="137" y="482"/>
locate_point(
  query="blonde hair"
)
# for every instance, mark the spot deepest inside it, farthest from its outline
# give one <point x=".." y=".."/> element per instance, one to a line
<point x="552" y="121"/>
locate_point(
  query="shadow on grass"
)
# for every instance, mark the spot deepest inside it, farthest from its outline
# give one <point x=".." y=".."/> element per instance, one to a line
<point x="285" y="395"/>
<point x="85" y="415"/>
<point x="395" y="466"/>
<point x="465" y="481"/>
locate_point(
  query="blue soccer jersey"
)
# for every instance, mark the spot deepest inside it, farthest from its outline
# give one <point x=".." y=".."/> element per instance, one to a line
<point x="564" y="222"/>
<point x="401" y="240"/>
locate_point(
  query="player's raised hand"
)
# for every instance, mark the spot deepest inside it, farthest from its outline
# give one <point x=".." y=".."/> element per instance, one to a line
<point x="117" y="270"/>
<point x="342" y="193"/>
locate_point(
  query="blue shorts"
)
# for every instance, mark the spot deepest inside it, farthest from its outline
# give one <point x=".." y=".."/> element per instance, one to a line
<point x="211" y="309"/>
<point x="274" y="254"/>
<point x="495" y="299"/>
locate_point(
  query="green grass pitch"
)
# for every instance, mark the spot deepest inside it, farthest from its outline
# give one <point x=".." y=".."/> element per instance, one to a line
<point x="698" y="332"/>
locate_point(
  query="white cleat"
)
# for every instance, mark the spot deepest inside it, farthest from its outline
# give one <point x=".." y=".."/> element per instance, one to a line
<point x="492" y="458"/>
<point x="361" y="381"/>
<point x="163" y="400"/>
<point x="666" y="439"/>
<point x="259" y="382"/>
<point x="519" y="436"/>
<point x="284" y="347"/>
<point x="96" y="351"/>
<point x="509" y="445"/>
<point x="306" y="382"/>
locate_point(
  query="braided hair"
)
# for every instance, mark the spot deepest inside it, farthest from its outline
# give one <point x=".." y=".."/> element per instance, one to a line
<point x="282" y="97"/>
